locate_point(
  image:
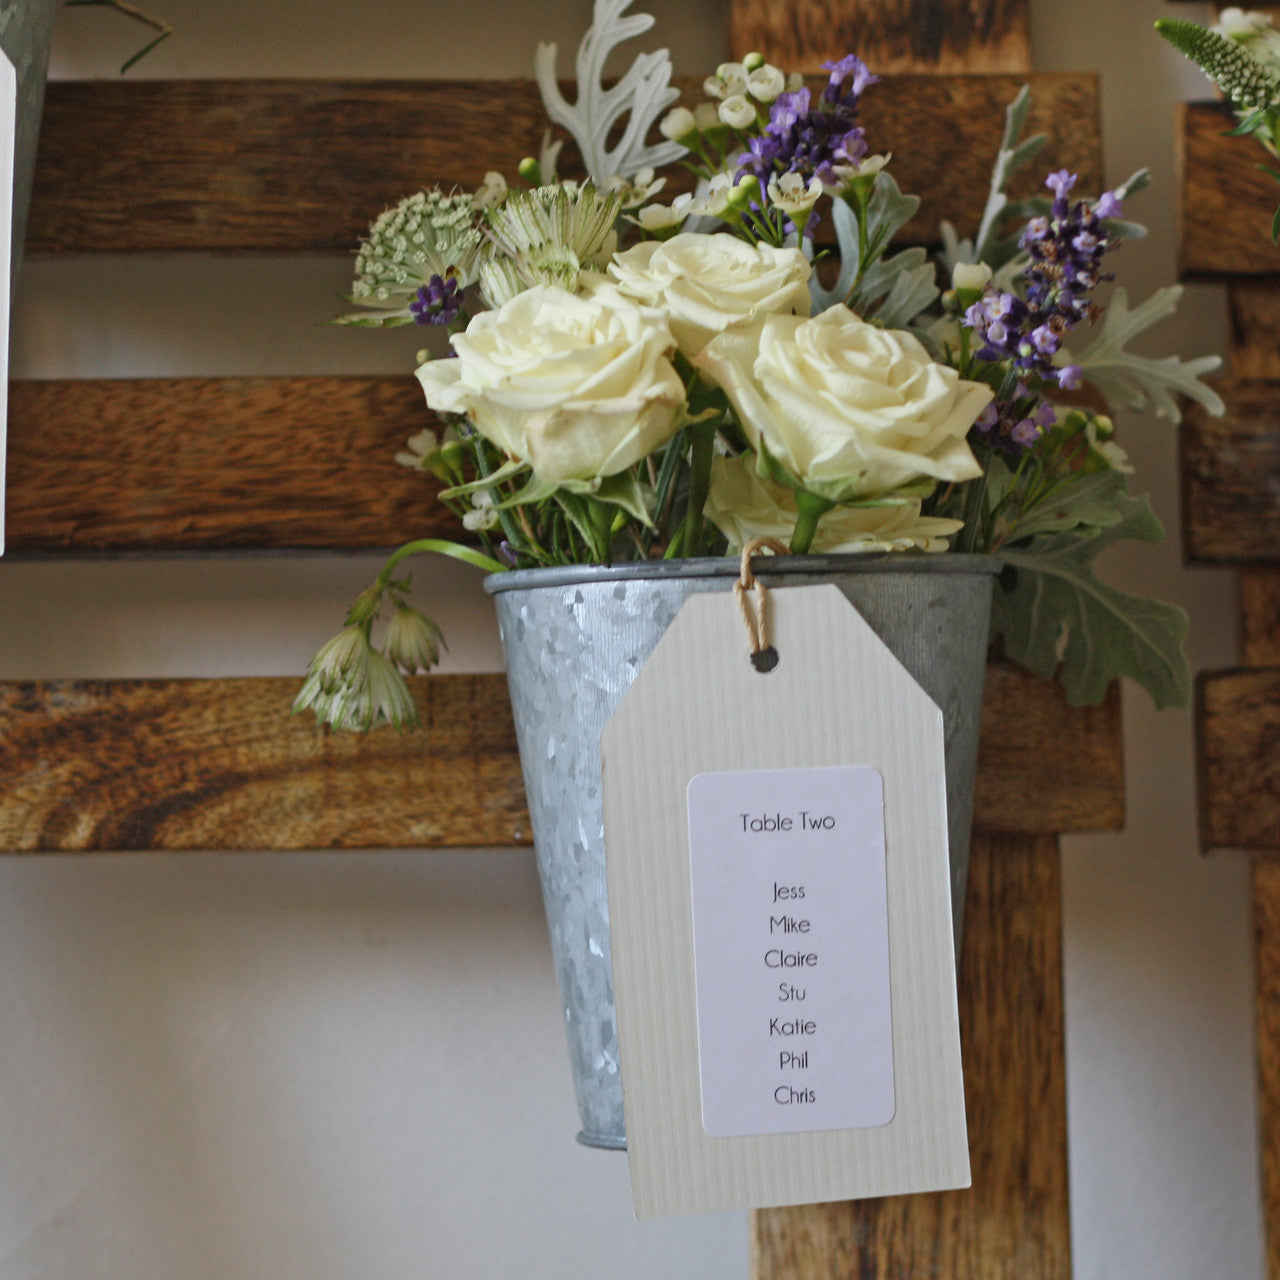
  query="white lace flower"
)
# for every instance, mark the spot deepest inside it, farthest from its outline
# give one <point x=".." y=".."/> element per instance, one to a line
<point x="766" y="83"/>
<point x="678" y="124"/>
<point x="730" y="78"/>
<point x="737" y="112"/>
<point x="706" y="115"/>
<point x="417" y="448"/>
<point x="790" y="194"/>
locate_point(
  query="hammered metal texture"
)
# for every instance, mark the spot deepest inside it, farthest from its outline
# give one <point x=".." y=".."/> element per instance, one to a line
<point x="574" y="640"/>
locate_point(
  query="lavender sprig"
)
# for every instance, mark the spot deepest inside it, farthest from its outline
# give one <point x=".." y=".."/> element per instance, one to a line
<point x="1065" y="248"/>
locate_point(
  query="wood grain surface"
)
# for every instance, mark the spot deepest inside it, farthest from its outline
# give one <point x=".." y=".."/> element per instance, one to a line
<point x="211" y="464"/>
<point x="1255" y="328"/>
<point x="1231" y="476"/>
<point x="1260" y="617"/>
<point x="1266" y="927"/>
<point x="1012" y="1224"/>
<point x="303" y="166"/>
<point x="1226" y="202"/>
<point x="1238" y="755"/>
<point x="220" y="764"/>
<point x="888" y="35"/>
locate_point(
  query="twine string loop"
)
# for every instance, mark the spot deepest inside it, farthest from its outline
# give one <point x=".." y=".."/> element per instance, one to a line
<point x="755" y="613"/>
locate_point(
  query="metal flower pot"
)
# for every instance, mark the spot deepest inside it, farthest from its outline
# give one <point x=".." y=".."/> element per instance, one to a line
<point x="574" y="639"/>
<point x="26" y="33"/>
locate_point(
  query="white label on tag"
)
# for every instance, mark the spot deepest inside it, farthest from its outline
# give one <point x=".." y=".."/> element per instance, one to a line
<point x="791" y="950"/>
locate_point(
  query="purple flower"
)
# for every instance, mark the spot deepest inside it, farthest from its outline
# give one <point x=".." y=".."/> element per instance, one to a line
<point x="1025" y="433"/>
<point x="1060" y="183"/>
<point x="1108" y="205"/>
<point x="1069" y="377"/>
<point x="812" y="137"/>
<point x="988" y="419"/>
<point x="438" y="301"/>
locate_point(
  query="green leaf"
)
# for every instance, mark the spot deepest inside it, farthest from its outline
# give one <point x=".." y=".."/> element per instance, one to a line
<point x="512" y="467"/>
<point x="888" y="210"/>
<point x="1095" y="500"/>
<point x="1055" y="615"/>
<point x="625" y="491"/>
<point x="1141" y="382"/>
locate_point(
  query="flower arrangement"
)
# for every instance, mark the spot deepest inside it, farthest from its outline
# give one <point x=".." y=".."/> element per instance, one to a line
<point x="1240" y="53"/>
<point x="647" y="379"/>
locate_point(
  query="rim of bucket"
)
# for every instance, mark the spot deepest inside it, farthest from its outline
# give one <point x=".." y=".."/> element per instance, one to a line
<point x="728" y="567"/>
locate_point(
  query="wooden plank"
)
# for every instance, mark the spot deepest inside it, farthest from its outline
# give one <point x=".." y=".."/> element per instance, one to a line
<point x="1016" y="793"/>
<point x="1012" y="1224"/>
<point x="1231" y="476"/>
<point x="990" y="36"/>
<point x="220" y="764"/>
<point x="1255" y="329"/>
<point x="212" y="464"/>
<point x="1238" y="714"/>
<point x="1266" y="925"/>
<point x="1227" y="202"/>
<point x="1260" y="618"/>
<point x="302" y="166"/>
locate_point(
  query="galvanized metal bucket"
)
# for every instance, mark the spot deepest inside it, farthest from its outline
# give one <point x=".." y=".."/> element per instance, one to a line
<point x="26" y="35"/>
<point x="574" y="639"/>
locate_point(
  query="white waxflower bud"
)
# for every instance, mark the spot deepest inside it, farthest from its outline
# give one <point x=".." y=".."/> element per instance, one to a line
<point x="737" y="112"/>
<point x="706" y="115"/>
<point x="678" y="123"/>
<point x="970" y="275"/>
<point x="766" y="83"/>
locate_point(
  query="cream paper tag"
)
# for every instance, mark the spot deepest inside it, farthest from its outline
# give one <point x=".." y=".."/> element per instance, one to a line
<point x="8" y="123"/>
<point x="779" y="898"/>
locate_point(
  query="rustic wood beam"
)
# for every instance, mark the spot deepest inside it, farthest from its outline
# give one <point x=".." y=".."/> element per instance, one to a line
<point x="989" y="36"/>
<point x="1260" y="617"/>
<point x="1012" y="1223"/>
<point x="1238" y="754"/>
<point x="217" y="464"/>
<point x="1227" y="202"/>
<point x="1231" y="476"/>
<point x="303" y="166"/>
<point x="220" y="764"/>
<point x="1255" y="328"/>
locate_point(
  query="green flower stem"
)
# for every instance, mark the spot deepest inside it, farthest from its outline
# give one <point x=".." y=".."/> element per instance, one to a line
<point x="441" y="546"/>
<point x="811" y="509"/>
<point x="974" y="497"/>
<point x="703" y="436"/>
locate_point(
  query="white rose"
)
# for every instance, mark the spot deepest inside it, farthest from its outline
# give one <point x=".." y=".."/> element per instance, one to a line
<point x="578" y="387"/>
<point x="743" y="505"/>
<point x="846" y="409"/>
<point x="708" y="283"/>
